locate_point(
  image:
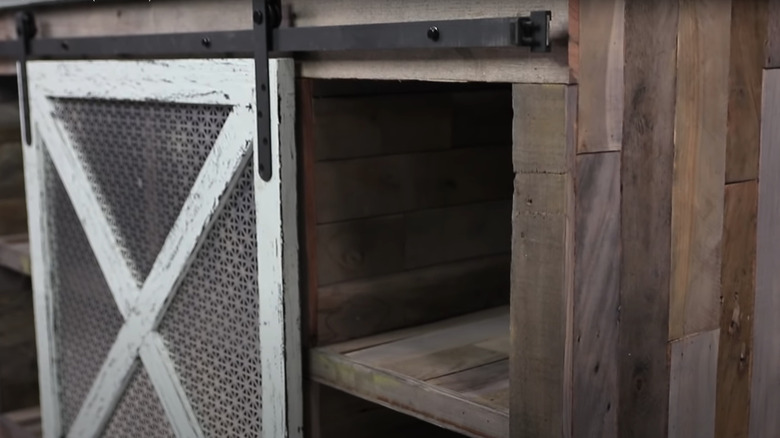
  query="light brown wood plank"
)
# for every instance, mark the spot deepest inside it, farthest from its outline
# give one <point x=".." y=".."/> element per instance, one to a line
<point x="765" y="378"/>
<point x="748" y="40"/>
<point x="376" y="125"/>
<point x="476" y="332"/>
<point x="574" y="40"/>
<point x="387" y="244"/>
<point x="352" y="189"/>
<point x="736" y="318"/>
<point x="600" y="106"/>
<point x="542" y="260"/>
<point x="646" y="184"/>
<point x="596" y="295"/>
<point x="487" y="384"/>
<point x="699" y="165"/>
<point x="414" y="397"/>
<point x="692" y="385"/>
<point x="384" y="338"/>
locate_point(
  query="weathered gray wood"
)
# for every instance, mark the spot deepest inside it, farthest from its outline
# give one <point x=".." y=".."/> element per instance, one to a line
<point x="372" y="372"/>
<point x="373" y="305"/>
<point x="542" y="260"/>
<point x="596" y="295"/>
<point x="350" y="189"/>
<point x="764" y="392"/>
<point x="487" y="384"/>
<point x="692" y="385"/>
<point x="646" y="184"/>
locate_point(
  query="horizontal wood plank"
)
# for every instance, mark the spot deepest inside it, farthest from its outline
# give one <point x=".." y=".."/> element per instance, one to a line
<point x="486" y="384"/>
<point x="369" y="306"/>
<point x="383" y="245"/>
<point x="351" y="189"/>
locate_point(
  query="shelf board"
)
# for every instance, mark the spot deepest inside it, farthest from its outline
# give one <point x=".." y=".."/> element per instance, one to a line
<point x="454" y="373"/>
<point x="15" y="253"/>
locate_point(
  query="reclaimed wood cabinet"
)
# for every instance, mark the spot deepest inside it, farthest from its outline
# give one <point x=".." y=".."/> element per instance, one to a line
<point x="479" y="242"/>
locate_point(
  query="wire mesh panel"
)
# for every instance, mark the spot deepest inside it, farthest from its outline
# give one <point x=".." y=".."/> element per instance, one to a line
<point x="141" y="159"/>
<point x="158" y="262"/>
<point x="212" y="326"/>
<point x="86" y="317"/>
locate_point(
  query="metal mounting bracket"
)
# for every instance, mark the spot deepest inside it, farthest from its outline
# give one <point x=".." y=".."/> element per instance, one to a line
<point x="25" y="32"/>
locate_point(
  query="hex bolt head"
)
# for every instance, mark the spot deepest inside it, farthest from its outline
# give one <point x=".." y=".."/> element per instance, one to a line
<point x="258" y="16"/>
<point x="433" y="33"/>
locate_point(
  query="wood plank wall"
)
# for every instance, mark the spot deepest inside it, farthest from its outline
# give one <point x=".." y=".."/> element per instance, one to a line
<point x="412" y="206"/>
<point x="677" y="199"/>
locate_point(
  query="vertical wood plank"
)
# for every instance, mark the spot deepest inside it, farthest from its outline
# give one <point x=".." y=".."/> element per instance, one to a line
<point x="600" y="107"/>
<point x="542" y="261"/>
<point x="765" y="379"/>
<point x="692" y="386"/>
<point x="699" y="165"/>
<point x="736" y="318"/>
<point x="772" y="53"/>
<point x="646" y="179"/>
<point x="596" y="293"/>
<point x="748" y="39"/>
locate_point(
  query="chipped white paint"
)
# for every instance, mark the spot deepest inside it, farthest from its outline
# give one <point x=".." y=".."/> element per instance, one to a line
<point x="42" y="300"/>
<point x="277" y="270"/>
<point x="192" y="81"/>
<point x="166" y="383"/>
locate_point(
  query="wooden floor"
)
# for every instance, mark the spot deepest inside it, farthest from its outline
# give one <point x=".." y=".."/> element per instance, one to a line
<point x="15" y="253"/>
<point x="454" y="373"/>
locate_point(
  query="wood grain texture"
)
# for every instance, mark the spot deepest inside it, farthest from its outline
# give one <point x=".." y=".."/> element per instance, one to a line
<point x="14" y="216"/>
<point x="735" y="348"/>
<point x="350" y="189"/>
<point x="374" y="305"/>
<point x="646" y="202"/>
<point x="596" y="295"/>
<point x="18" y="370"/>
<point x="386" y="244"/>
<point x="542" y="260"/>
<point x="772" y="55"/>
<point x="15" y="253"/>
<point x="600" y="75"/>
<point x="765" y="379"/>
<point x="748" y="40"/>
<point x="692" y="385"/>
<point x="699" y="165"/>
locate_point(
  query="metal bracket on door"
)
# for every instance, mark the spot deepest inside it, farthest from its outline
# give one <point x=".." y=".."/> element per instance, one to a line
<point x="266" y="39"/>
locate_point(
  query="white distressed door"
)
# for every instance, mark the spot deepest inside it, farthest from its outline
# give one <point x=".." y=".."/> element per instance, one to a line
<point x="164" y="268"/>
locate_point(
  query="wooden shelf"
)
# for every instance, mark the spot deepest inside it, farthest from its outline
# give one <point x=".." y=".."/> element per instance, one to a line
<point x="15" y="253"/>
<point x="454" y="373"/>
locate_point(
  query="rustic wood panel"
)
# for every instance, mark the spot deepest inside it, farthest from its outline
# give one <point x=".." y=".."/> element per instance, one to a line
<point x="376" y="125"/>
<point x="748" y="40"/>
<point x="772" y="58"/>
<point x="486" y="384"/>
<point x="765" y="380"/>
<point x="18" y="371"/>
<point x="372" y="373"/>
<point x="646" y="202"/>
<point x="600" y="75"/>
<point x="366" y="307"/>
<point x="596" y="294"/>
<point x="736" y="318"/>
<point x="692" y="385"/>
<point x="699" y="165"/>
<point x="350" y="189"/>
<point x="543" y="252"/>
<point x="382" y="245"/>
<point x="15" y="253"/>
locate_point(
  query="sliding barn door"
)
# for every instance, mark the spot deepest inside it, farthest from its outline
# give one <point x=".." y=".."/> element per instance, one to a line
<point x="164" y="267"/>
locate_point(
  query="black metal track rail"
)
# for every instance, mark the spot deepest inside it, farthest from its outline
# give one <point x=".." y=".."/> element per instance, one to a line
<point x="266" y="40"/>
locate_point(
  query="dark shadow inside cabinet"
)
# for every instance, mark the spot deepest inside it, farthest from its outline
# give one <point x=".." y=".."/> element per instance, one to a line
<point x="406" y="200"/>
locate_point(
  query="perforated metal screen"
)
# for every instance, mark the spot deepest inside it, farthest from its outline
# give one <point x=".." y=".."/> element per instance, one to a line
<point x="141" y="159"/>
